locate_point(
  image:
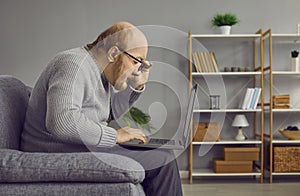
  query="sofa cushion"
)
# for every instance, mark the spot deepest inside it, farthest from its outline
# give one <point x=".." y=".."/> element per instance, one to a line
<point x="14" y="96"/>
<point x="74" y="189"/>
<point x="17" y="166"/>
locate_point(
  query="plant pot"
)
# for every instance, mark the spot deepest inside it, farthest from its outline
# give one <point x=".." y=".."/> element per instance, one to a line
<point x="295" y="64"/>
<point x="225" y="30"/>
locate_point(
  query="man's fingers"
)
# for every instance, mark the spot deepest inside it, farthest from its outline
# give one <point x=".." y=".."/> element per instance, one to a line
<point x="138" y="134"/>
<point x="147" y="64"/>
<point x="137" y="131"/>
<point x="143" y="139"/>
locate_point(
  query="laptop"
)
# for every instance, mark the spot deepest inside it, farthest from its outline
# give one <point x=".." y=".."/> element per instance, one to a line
<point x="182" y="140"/>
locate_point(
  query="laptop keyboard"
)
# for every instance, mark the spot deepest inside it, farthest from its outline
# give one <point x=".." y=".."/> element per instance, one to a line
<point x="161" y="141"/>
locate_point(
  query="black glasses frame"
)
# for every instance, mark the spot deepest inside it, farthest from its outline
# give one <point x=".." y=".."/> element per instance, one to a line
<point x="143" y="64"/>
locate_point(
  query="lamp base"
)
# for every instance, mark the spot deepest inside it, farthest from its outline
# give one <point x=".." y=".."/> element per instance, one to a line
<point x="240" y="136"/>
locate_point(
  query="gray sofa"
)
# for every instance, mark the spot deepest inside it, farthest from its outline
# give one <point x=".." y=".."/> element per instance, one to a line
<point x="24" y="173"/>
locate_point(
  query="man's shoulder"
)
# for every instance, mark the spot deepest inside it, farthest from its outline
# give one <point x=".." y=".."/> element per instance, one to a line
<point x="72" y="62"/>
<point x="69" y="59"/>
<point x="72" y="54"/>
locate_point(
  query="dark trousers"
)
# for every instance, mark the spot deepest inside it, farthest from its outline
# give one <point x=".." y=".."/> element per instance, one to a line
<point x="161" y="170"/>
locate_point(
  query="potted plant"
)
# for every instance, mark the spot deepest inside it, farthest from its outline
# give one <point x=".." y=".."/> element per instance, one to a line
<point x="224" y="21"/>
<point x="295" y="61"/>
<point x="138" y="117"/>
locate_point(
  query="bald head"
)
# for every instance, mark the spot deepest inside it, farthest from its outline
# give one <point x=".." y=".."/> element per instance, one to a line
<point x="123" y="35"/>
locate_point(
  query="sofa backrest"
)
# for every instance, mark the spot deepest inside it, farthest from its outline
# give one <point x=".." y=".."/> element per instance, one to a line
<point x="14" y="96"/>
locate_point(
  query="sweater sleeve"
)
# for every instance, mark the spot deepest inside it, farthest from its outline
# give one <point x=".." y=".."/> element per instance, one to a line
<point x="65" y="118"/>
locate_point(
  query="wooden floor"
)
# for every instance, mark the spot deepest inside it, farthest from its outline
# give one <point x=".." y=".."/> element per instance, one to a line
<point x="244" y="187"/>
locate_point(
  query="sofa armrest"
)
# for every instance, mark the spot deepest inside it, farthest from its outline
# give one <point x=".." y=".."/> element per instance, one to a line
<point x="17" y="166"/>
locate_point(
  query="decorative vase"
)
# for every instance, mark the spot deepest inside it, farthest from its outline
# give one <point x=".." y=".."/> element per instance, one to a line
<point x="240" y="136"/>
<point x="225" y="29"/>
<point x="295" y="64"/>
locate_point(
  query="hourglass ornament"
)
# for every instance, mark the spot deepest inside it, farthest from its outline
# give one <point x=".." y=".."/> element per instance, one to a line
<point x="214" y="102"/>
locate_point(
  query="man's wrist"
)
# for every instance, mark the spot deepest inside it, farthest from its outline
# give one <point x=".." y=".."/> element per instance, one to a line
<point x="139" y="89"/>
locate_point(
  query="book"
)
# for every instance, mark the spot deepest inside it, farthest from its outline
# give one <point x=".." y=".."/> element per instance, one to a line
<point x="209" y="62"/>
<point x="205" y="62"/>
<point x="281" y="101"/>
<point x="283" y="106"/>
<point x="248" y="105"/>
<point x="251" y="98"/>
<point x="257" y="98"/>
<point x="213" y="57"/>
<point x="255" y="91"/>
<point x="246" y="99"/>
<point x="196" y="62"/>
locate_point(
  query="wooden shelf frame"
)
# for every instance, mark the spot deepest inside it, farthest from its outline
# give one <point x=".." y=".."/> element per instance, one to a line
<point x="278" y="38"/>
<point x="259" y="70"/>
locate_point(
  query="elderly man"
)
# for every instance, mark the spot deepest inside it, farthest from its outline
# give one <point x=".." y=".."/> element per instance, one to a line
<point x="82" y="89"/>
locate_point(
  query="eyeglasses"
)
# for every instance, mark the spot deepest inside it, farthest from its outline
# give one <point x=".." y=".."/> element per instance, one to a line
<point x="143" y="63"/>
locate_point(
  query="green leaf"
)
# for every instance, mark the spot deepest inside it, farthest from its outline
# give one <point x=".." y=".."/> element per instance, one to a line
<point x="224" y="19"/>
<point x="138" y="117"/>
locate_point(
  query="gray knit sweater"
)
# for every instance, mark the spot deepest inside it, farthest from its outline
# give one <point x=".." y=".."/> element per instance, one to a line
<point x="70" y="105"/>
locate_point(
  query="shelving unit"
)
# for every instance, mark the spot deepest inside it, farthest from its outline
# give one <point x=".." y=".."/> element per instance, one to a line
<point x="281" y="71"/>
<point x="256" y="76"/>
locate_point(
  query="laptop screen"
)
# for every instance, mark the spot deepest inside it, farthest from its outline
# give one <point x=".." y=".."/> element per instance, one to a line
<point x="189" y="115"/>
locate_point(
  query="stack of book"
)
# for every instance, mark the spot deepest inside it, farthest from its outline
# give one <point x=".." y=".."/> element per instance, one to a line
<point x="251" y="99"/>
<point x="205" y="62"/>
<point x="281" y="101"/>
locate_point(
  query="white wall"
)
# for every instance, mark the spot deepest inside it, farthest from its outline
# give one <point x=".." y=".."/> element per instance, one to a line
<point x="33" y="31"/>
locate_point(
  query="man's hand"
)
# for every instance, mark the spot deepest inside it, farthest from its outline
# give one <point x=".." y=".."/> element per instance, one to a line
<point x="126" y="134"/>
<point x="139" y="78"/>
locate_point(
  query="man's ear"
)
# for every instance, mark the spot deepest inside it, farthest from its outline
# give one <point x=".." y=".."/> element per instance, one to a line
<point x="112" y="53"/>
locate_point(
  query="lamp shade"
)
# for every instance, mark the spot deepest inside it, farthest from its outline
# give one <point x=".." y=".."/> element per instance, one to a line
<point x="240" y="120"/>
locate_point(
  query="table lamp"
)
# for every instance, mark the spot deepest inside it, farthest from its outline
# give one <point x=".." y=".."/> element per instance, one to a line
<point x="240" y="121"/>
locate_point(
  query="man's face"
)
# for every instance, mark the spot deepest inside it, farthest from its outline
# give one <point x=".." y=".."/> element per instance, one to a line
<point x="126" y="67"/>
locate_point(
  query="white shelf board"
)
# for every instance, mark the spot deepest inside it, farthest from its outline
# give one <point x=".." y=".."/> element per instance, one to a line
<point x="222" y="142"/>
<point x="285" y="73"/>
<point x="225" y="36"/>
<point x="225" y="73"/>
<point x="286" y="173"/>
<point x="224" y="110"/>
<point x="286" y="110"/>
<point x="285" y="141"/>
<point x="286" y="37"/>
<point x="209" y="172"/>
